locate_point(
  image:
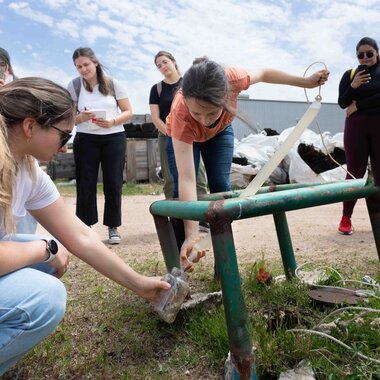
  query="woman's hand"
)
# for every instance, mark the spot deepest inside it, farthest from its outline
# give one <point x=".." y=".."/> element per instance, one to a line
<point x="318" y="78"/>
<point x="351" y="109"/>
<point x="84" y="116"/>
<point x="191" y="253"/>
<point x="104" y="123"/>
<point x="360" y="78"/>
<point x="61" y="261"/>
<point x="151" y="287"/>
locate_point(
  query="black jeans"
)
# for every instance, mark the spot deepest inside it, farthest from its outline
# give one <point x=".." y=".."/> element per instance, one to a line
<point x="217" y="156"/>
<point x="91" y="151"/>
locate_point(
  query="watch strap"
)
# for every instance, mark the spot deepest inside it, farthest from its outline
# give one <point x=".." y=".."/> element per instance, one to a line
<point x="48" y="250"/>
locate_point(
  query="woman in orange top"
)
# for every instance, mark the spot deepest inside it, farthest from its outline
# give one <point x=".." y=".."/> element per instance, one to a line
<point x="199" y="123"/>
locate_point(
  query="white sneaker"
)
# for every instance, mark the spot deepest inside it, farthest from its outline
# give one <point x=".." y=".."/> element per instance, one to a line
<point x="114" y="236"/>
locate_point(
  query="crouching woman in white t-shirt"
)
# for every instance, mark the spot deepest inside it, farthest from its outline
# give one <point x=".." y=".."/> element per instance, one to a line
<point x="36" y="119"/>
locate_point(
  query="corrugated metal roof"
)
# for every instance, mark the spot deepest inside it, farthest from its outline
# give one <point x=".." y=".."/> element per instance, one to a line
<point x="280" y="115"/>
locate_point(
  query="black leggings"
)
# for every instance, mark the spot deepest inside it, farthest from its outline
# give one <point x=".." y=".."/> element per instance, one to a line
<point x="362" y="141"/>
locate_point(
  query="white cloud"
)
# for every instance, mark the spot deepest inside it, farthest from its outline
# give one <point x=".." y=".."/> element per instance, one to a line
<point x="92" y="33"/>
<point x="68" y="27"/>
<point x="246" y="33"/>
<point x="56" y="4"/>
<point x="23" y="9"/>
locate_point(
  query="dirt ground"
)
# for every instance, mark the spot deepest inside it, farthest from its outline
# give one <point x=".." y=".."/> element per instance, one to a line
<point x="313" y="231"/>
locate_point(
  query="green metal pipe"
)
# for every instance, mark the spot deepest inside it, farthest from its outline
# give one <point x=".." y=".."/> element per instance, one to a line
<point x="375" y="223"/>
<point x="167" y="241"/>
<point x="267" y="203"/>
<point x="285" y="242"/>
<point x="234" y="306"/>
<point x="264" y="189"/>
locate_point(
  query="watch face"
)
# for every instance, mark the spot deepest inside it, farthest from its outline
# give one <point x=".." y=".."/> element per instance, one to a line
<point x="53" y="246"/>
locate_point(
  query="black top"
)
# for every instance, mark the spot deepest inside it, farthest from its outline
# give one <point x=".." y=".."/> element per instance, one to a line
<point x="367" y="96"/>
<point x="165" y="100"/>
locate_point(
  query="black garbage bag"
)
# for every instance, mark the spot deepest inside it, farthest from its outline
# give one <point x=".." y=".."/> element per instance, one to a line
<point x="318" y="161"/>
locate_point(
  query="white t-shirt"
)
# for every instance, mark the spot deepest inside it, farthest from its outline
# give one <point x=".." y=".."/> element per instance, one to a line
<point x="31" y="195"/>
<point x="95" y="100"/>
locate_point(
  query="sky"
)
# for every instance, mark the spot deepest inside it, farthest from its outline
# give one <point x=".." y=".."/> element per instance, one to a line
<point x="42" y="35"/>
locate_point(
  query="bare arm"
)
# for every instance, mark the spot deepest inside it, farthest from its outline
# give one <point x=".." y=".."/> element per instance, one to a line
<point x="16" y="255"/>
<point x="155" y="113"/>
<point x="280" y="77"/>
<point x="123" y="117"/>
<point x="84" y="243"/>
<point x="187" y="189"/>
<point x="126" y="111"/>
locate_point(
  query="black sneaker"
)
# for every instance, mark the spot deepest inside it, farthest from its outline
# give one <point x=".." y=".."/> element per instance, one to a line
<point x="113" y="236"/>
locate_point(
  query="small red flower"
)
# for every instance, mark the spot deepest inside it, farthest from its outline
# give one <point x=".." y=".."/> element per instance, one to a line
<point x="264" y="276"/>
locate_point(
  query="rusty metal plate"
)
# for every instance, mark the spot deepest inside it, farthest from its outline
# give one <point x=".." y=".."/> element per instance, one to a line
<point x="331" y="296"/>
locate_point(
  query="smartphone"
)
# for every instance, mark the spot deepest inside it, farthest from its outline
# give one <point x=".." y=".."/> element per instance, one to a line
<point x="99" y="113"/>
<point x="363" y="67"/>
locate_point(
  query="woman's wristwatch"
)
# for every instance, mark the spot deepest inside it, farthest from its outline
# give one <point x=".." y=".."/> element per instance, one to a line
<point x="51" y="249"/>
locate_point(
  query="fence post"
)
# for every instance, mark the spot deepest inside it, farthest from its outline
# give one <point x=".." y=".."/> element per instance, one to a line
<point x="151" y="146"/>
<point x="131" y="160"/>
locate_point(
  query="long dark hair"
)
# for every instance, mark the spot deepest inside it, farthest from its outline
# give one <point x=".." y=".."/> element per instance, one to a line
<point x="105" y="86"/>
<point x="371" y="42"/>
<point x="206" y="80"/>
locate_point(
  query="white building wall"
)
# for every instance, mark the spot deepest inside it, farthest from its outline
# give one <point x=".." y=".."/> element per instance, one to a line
<point x="280" y="115"/>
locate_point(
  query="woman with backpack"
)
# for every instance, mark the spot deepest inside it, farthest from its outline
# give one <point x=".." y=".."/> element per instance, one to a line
<point x="160" y="101"/>
<point x="359" y="94"/>
<point x="99" y="140"/>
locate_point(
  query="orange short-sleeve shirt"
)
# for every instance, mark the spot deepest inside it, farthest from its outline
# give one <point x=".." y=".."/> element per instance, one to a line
<point x="181" y="125"/>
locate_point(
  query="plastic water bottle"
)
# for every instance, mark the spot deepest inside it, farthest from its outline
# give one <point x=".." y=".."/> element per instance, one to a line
<point x="171" y="300"/>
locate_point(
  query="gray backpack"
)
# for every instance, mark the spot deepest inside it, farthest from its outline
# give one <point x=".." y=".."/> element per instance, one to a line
<point x="77" y="86"/>
<point x="159" y="88"/>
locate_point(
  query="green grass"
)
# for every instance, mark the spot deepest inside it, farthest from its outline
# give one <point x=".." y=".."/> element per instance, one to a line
<point x="129" y="188"/>
<point x="110" y="333"/>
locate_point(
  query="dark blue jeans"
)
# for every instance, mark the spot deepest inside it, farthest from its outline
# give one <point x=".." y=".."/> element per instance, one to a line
<point x="217" y="156"/>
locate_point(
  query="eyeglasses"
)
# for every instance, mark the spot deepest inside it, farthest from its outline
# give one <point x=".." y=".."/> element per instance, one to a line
<point x="65" y="136"/>
<point x="369" y="54"/>
<point x="3" y="65"/>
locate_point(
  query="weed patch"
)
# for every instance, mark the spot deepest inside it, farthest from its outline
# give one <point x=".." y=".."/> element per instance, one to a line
<point x="110" y="333"/>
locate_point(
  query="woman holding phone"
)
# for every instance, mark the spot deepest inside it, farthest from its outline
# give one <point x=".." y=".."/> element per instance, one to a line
<point x="99" y="140"/>
<point x="359" y="94"/>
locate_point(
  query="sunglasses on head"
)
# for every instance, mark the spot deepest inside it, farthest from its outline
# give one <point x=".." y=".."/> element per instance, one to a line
<point x="369" y="54"/>
<point x="65" y="136"/>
